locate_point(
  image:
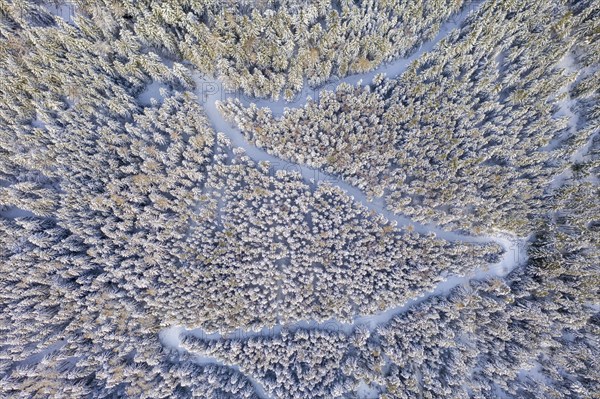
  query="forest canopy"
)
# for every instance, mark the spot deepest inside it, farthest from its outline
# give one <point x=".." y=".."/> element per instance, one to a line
<point x="446" y="244"/>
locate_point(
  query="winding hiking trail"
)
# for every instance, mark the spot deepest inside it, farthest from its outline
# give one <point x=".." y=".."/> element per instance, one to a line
<point x="210" y="92"/>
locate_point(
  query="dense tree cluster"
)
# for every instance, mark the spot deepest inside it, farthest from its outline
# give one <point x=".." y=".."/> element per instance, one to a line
<point x="270" y="48"/>
<point x="471" y="135"/>
<point x="296" y="364"/>
<point x="75" y="320"/>
<point x="281" y="251"/>
<point x="119" y="218"/>
<point x="534" y="335"/>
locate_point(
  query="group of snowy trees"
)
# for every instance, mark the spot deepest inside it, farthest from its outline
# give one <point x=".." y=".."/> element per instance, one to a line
<point x="471" y="135"/>
<point x="295" y="364"/>
<point x="273" y="248"/>
<point x="269" y="48"/>
<point x="531" y="336"/>
<point x="118" y="220"/>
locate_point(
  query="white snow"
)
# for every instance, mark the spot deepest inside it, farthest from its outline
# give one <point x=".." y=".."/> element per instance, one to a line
<point x="170" y="336"/>
<point x="152" y="92"/>
<point x="534" y="372"/>
<point x="65" y="10"/>
<point x="14" y="212"/>
<point x="39" y="124"/>
<point x="364" y="391"/>
<point x="36" y="358"/>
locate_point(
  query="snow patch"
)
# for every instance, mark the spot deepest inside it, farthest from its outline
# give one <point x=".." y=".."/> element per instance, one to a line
<point x="152" y="92"/>
<point x="65" y="10"/>
<point x="13" y="212"/>
<point x="36" y="358"/>
<point x="364" y="391"/>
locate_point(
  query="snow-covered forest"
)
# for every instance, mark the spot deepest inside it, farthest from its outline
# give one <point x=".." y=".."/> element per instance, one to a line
<point x="299" y="199"/>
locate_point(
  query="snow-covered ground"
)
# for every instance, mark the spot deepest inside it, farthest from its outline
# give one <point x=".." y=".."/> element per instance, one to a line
<point x="364" y="391"/>
<point x="152" y="92"/>
<point x="36" y="358"/>
<point x="65" y="10"/>
<point x="14" y="212"/>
